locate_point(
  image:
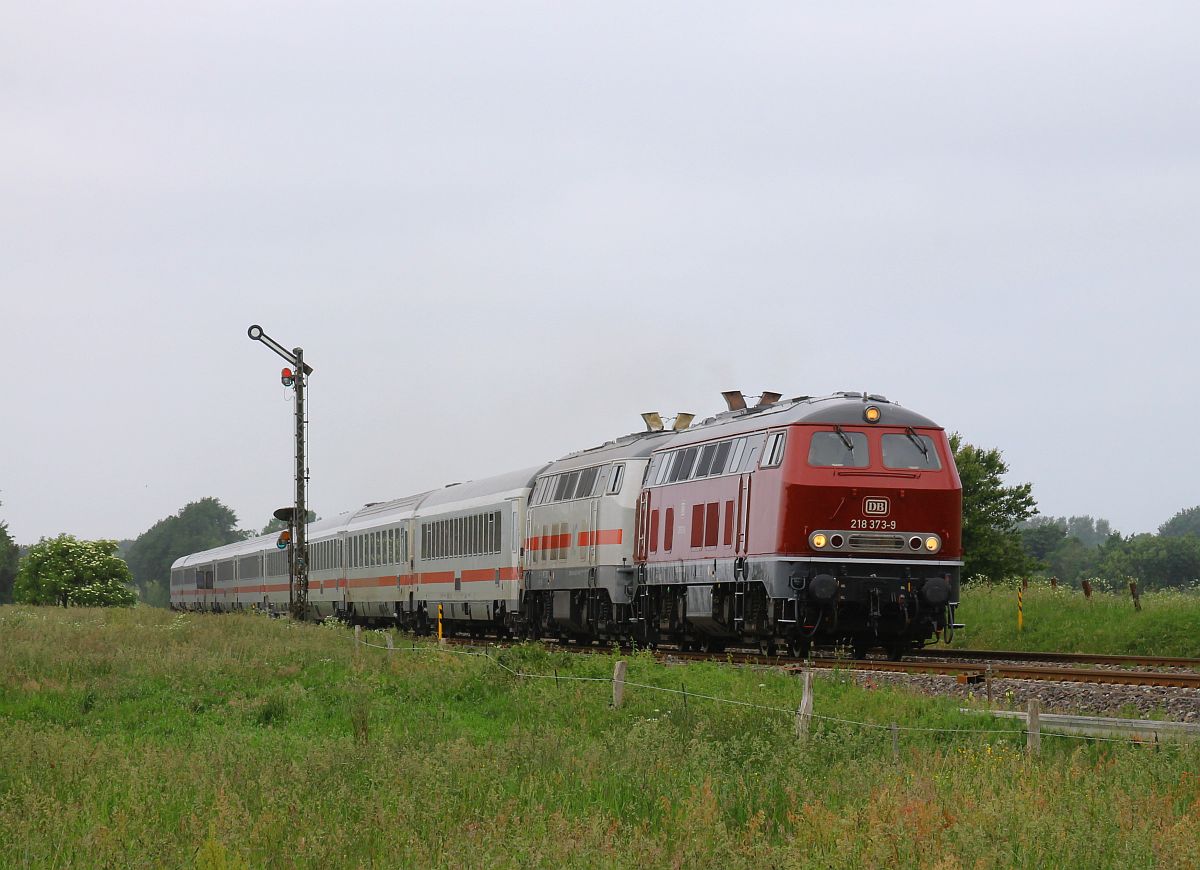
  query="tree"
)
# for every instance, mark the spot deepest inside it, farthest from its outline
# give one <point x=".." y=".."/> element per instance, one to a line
<point x="67" y="571"/>
<point x="275" y="525"/>
<point x="9" y="559"/>
<point x="1186" y="522"/>
<point x="199" y="525"/>
<point x="991" y="513"/>
<point x="1153" y="560"/>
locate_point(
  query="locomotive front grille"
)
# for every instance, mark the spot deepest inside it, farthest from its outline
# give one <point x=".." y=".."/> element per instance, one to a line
<point x="875" y="543"/>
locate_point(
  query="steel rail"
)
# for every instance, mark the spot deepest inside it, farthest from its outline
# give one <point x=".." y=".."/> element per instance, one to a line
<point x="966" y="671"/>
<point x="1061" y="657"/>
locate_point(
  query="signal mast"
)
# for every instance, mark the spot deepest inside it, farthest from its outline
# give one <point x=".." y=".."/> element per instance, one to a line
<point x="294" y="538"/>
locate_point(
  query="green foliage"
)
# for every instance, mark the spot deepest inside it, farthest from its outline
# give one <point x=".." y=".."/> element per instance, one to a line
<point x="67" y="571"/>
<point x="313" y="757"/>
<point x="1186" y="522"/>
<point x="199" y="525"/>
<point x="991" y="513"/>
<point x="1063" y="620"/>
<point x="1069" y="548"/>
<point x="9" y="559"/>
<point x="1153" y="560"/>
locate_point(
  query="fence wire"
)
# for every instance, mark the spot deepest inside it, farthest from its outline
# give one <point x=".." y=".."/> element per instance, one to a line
<point x="1133" y="741"/>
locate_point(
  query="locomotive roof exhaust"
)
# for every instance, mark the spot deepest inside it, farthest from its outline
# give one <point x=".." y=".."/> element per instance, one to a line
<point x="735" y="401"/>
<point x="653" y="421"/>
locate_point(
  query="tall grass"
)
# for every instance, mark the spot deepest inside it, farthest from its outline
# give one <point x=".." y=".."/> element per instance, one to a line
<point x="1064" y="620"/>
<point x="143" y="738"/>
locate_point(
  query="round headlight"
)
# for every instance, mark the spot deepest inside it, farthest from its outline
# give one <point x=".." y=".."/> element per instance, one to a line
<point x="932" y="544"/>
<point x="818" y="540"/>
<point x="871" y="414"/>
<point x="915" y="542"/>
<point x="836" y="541"/>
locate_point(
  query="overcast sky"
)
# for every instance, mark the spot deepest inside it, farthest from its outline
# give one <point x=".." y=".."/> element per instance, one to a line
<point x="500" y="231"/>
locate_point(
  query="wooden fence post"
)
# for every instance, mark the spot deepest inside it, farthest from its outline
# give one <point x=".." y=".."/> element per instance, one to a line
<point x="1137" y="598"/>
<point x="618" y="684"/>
<point x="390" y="644"/>
<point x="357" y="638"/>
<point x="895" y="741"/>
<point x="804" y="711"/>
<point x="1033" y="734"/>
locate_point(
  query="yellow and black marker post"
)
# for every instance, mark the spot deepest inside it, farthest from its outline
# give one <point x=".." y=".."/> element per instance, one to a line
<point x="441" y="639"/>
<point x="1020" y="610"/>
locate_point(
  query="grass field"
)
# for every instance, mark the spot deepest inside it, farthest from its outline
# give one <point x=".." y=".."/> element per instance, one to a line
<point x="1063" y="620"/>
<point x="146" y="738"/>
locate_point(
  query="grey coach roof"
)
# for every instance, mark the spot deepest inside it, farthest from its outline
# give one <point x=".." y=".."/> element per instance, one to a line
<point x="635" y="446"/>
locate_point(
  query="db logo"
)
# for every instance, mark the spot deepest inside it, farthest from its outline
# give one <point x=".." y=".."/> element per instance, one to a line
<point x="877" y="506"/>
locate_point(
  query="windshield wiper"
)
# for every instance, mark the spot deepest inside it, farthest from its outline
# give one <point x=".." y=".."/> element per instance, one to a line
<point x="845" y="440"/>
<point x="912" y="436"/>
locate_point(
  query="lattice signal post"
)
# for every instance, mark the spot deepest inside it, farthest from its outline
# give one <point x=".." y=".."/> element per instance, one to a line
<point x="296" y="377"/>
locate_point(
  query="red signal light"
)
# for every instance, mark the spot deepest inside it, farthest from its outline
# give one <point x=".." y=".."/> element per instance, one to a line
<point x="288" y="377"/>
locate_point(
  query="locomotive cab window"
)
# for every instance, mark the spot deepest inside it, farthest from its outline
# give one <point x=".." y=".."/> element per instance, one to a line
<point x="616" y="478"/>
<point x="838" y="449"/>
<point x="773" y="454"/>
<point x="910" y="451"/>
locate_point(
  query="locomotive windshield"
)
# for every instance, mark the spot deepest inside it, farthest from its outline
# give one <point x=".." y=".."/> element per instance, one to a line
<point x="910" y="451"/>
<point x="839" y="449"/>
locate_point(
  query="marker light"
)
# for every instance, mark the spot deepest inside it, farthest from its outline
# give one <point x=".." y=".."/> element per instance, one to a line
<point x="818" y="540"/>
<point x="283" y="540"/>
<point x="872" y="414"/>
<point x="932" y="544"/>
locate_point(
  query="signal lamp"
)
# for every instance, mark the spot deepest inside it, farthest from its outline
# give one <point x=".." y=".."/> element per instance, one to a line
<point x="932" y="544"/>
<point x="872" y="414"/>
<point x="283" y="540"/>
<point x="818" y="540"/>
<point x="287" y="377"/>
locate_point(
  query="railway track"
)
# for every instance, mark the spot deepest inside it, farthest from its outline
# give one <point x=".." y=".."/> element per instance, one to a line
<point x="1058" y="658"/>
<point x="966" y="671"/>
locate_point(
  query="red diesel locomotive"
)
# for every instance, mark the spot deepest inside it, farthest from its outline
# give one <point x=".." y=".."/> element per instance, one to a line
<point x="812" y="520"/>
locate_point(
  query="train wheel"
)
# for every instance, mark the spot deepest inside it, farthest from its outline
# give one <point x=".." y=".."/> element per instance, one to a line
<point x="858" y="649"/>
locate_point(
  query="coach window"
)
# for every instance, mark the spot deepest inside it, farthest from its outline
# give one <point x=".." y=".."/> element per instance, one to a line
<point x="587" y="482"/>
<point x="664" y="468"/>
<point x="773" y="455"/>
<point x="911" y="451"/>
<point x="616" y="478"/>
<point x="735" y="461"/>
<point x="838" y="449"/>
<point x="682" y="469"/>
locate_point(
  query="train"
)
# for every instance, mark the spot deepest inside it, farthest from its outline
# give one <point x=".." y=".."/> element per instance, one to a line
<point x="785" y="524"/>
